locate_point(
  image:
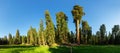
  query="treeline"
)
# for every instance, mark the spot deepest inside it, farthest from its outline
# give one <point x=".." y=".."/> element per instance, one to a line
<point x="60" y="33"/>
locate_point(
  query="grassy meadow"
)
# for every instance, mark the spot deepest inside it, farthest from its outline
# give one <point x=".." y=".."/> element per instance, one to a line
<point x="46" y="49"/>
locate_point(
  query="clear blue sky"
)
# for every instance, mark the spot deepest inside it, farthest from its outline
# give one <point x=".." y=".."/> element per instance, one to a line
<point x="21" y="14"/>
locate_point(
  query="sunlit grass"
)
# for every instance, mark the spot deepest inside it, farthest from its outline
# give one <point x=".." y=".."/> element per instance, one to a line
<point x="41" y="49"/>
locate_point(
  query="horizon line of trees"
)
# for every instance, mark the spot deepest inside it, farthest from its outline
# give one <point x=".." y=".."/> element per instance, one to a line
<point x="60" y="33"/>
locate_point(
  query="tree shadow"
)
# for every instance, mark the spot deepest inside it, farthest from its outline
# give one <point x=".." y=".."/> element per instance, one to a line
<point x="59" y="50"/>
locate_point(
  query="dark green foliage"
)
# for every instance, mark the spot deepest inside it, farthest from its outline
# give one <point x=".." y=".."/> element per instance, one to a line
<point x="102" y="33"/>
<point x="4" y="41"/>
<point x="32" y="33"/>
<point x="24" y="39"/>
<point x="17" y="37"/>
<point x="86" y="33"/>
<point x="50" y="31"/>
<point x="10" y="39"/>
<point x="115" y="34"/>
<point x="77" y="13"/>
<point x="111" y="38"/>
<point x="41" y="34"/>
<point x="62" y="28"/>
<point x="71" y="37"/>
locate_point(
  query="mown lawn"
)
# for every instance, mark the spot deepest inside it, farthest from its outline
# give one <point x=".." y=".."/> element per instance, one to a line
<point x="46" y="49"/>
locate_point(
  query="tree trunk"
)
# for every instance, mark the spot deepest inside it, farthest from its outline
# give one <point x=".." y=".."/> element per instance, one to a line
<point x="77" y="32"/>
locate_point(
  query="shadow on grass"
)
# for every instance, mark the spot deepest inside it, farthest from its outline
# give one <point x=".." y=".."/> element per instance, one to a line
<point x="60" y="50"/>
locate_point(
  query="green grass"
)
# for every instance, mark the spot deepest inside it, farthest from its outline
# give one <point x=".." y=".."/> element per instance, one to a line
<point x="15" y="49"/>
<point x="96" y="49"/>
<point x="46" y="49"/>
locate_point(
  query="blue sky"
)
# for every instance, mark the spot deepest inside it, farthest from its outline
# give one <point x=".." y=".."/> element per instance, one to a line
<point x="21" y="14"/>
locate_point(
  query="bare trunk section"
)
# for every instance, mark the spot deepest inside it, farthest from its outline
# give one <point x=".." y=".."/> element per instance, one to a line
<point x="77" y="32"/>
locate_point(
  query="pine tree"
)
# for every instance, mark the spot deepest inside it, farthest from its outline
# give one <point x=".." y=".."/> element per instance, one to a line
<point x="41" y="33"/>
<point x="50" y="31"/>
<point x="115" y="33"/>
<point x="10" y="38"/>
<point x="102" y="33"/>
<point x="62" y="27"/>
<point x="25" y="39"/>
<point x="5" y="40"/>
<point x="72" y="37"/>
<point x="17" y="38"/>
<point x="98" y="37"/>
<point x="86" y="32"/>
<point x="32" y="33"/>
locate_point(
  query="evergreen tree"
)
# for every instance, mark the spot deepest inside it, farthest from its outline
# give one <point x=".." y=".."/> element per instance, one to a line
<point x="62" y="27"/>
<point x="5" y="40"/>
<point x="17" y="38"/>
<point x="14" y="39"/>
<point x="93" y="42"/>
<point x="89" y="35"/>
<point x="72" y="37"/>
<point x="32" y="33"/>
<point x="102" y="33"/>
<point x="86" y="32"/>
<point x="111" y="38"/>
<point x="41" y="33"/>
<point x="98" y="37"/>
<point x="115" y="33"/>
<point x="25" y="39"/>
<point x="77" y="13"/>
<point x="117" y="38"/>
<point x="50" y="31"/>
<point x="10" y="39"/>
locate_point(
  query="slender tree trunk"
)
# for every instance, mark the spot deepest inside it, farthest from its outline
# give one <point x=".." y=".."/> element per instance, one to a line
<point x="77" y="32"/>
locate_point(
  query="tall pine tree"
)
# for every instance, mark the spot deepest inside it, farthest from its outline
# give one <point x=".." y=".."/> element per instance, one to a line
<point x="62" y="27"/>
<point x="41" y="34"/>
<point x="17" y="38"/>
<point x="10" y="38"/>
<point x="32" y="33"/>
<point x="50" y="31"/>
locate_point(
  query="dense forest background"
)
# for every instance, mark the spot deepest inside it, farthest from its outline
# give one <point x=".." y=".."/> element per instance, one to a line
<point x="61" y="35"/>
